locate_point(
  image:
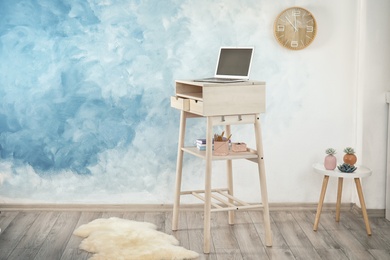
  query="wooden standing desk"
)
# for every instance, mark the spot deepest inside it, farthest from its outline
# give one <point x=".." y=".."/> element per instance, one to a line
<point x="221" y="104"/>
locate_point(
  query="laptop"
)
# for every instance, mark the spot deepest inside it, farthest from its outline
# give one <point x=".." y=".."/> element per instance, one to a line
<point x="233" y="65"/>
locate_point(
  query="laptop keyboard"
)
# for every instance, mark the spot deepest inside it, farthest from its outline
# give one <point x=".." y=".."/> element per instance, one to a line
<point x="219" y="80"/>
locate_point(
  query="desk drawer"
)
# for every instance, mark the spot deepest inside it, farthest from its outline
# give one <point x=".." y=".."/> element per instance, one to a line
<point x="196" y="107"/>
<point x="180" y="103"/>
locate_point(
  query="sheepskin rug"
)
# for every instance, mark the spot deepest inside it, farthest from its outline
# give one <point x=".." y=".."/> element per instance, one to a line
<point x="122" y="239"/>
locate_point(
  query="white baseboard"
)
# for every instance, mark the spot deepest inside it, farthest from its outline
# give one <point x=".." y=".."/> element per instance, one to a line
<point x="156" y="207"/>
<point x="371" y="212"/>
<point x="185" y="207"/>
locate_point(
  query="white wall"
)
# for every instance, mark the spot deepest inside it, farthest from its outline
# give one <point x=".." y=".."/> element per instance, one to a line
<point x="311" y="97"/>
<point x="328" y="95"/>
<point x="373" y="82"/>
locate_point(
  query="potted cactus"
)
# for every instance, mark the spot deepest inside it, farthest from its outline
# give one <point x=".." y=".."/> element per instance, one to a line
<point x="349" y="157"/>
<point x="330" y="161"/>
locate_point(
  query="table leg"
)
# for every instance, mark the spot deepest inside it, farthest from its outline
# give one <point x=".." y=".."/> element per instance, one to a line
<point x="207" y="190"/>
<point x="339" y="193"/>
<point x="363" y="205"/>
<point x="179" y="170"/>
<point x="229" y="172"/>
<point x="321" y="202"/>
<point x="263" y="184"/>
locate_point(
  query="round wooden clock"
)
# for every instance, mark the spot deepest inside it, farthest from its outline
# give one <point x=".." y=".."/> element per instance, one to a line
<point x="295" y="28"/>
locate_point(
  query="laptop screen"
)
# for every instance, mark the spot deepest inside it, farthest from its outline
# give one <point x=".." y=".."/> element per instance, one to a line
<point x="234" y="62"/>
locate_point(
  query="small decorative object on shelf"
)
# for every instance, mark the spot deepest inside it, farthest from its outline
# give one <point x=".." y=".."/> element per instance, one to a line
<point x="349" y="157"/>
<point x="345" y="167"/>
<point x="221" y="144"/>
<point x="221" y="148"/>
<point x="221" y="138"/>
<point x="239" y="147"/>
<point x="330" y="161"/>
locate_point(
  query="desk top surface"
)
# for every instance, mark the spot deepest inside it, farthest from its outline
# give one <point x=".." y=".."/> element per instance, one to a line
<point x="360" y="172"/>
<point x="207" y="84"/>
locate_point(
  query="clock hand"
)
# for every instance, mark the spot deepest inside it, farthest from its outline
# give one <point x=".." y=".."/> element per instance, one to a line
<point x="295" y="29"/>
<point x="295" y="22"/>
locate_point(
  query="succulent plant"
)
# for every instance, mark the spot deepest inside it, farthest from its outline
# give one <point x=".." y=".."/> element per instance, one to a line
<point x="345" y="167"/>
<point x="330" y="151"/>
<point x="349" y="150"/>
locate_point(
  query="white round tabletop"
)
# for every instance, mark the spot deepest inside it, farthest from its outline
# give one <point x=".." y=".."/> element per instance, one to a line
<point x="360" y="172"/>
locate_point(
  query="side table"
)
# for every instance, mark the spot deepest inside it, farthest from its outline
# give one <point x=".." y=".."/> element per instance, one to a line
<point x="360" y="172"/>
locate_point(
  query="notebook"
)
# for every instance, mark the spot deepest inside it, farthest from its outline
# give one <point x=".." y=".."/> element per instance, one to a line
<point x="233" y="65"/>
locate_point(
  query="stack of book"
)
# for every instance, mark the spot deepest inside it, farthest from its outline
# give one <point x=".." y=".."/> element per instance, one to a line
<point x="201" y="143"/>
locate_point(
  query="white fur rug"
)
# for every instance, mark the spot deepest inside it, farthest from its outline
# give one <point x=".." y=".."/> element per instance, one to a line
<point x="122" y="239"/>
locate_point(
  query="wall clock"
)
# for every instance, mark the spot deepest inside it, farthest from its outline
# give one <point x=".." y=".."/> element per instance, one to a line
<point x="295" y="28"/>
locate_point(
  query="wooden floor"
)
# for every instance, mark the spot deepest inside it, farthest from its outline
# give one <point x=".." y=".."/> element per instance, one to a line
<point x="47" y="235"/>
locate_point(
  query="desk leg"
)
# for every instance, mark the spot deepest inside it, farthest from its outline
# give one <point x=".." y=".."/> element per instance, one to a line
<point x="179" y="170"/>
<point x="207" y="190"/>
<point x="339" y="193"/>
<point x="321" y="202"/>
<point x="363" y="204"/>
<point x="229" y="171"/>
<point x="263" y="184"/>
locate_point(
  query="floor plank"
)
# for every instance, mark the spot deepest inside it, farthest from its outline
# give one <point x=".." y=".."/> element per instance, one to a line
<point x="17" y="228"/>
<point x="57" y="240"/>
<point x="332" y="254"/>
<point x="380" y="253"/>
<point x="357" y="227"/>
<point x="247" y="237"/>
<point x="277" y="253"/>
<point x="135" y="216"/>
<point x="295" y="237"/>
<point x="182" y="233"/>
<point x="6" y="218"/>
<point x="320" y="239"/>
<point x="72" y="250"/>
<point x="278" y="240"/>
<point x="195" y="235"/>
<point x="49" y="234"/>
<point x="344" y="237"/>
<point x="28" y="246"/>
<point x="224" y="240"/>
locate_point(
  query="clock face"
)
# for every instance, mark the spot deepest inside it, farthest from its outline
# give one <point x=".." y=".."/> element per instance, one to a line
<point x="295" y="28"/>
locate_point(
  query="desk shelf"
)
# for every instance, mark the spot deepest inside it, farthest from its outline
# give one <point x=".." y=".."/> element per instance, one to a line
<point x="250" y="154"/>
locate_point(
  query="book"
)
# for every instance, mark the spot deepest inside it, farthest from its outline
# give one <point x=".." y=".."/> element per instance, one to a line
<point x="200" y="141"/>
<point x="201" y="147"/>
<point x="203" y="140"/>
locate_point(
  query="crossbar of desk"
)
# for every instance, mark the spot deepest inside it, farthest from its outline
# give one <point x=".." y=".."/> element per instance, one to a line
<point x="231" y="202"/>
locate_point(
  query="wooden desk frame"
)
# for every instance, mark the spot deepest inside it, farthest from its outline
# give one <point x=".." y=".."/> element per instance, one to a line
<point x="225" y="196"/>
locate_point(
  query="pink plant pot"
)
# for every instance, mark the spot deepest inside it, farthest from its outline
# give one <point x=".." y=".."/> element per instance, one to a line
<point x="330" y="162"/>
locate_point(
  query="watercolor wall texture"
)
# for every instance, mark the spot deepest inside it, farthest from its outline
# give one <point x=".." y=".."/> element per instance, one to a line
<point x="85" y="86"/>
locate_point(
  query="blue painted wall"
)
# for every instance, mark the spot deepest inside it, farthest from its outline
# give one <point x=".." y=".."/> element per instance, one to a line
<point x="74" y="75"/>
<point x="84" y="93"/>
<point x="80" y="80"/>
